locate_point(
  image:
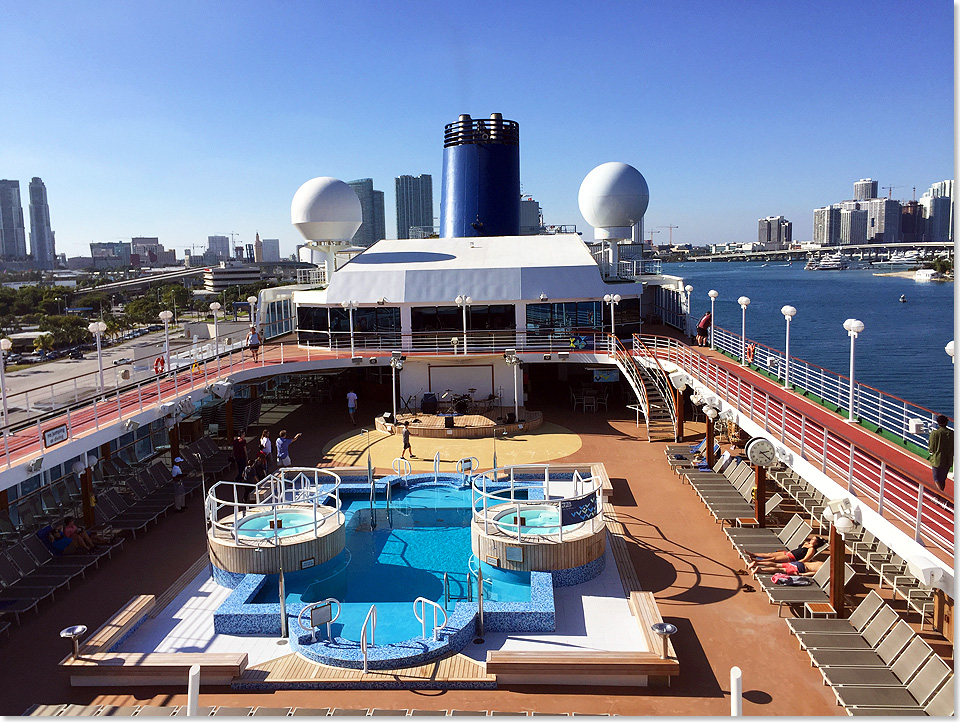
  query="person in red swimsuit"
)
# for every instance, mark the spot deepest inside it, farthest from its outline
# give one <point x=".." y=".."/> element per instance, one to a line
<point x="804" y="553"/>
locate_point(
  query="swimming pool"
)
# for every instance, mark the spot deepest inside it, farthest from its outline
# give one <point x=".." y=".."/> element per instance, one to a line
<point x="395" y="555"/>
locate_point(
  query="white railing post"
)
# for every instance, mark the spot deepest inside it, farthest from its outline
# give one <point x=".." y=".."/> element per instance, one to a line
<point x="193" y="691"/>
<point x="883" y="479"/>
<point x="736" y="692"/>
<point x="919" y="524"/>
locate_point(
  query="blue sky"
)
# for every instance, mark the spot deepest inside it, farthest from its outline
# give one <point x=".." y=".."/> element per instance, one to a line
<point x="186" y="119"/>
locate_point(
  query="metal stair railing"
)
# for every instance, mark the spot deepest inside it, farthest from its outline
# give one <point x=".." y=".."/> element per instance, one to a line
<point x="422" y="617"/>
<point x="371" y="620"/>
<point x="651" y="387"/>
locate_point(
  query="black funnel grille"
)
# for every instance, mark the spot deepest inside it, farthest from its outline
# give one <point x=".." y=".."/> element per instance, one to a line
<point x="470" y="131"/>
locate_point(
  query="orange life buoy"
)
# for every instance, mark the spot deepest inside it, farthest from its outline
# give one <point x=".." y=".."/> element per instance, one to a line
<point x="158" y="365"/>
<point x="748" y="353"/>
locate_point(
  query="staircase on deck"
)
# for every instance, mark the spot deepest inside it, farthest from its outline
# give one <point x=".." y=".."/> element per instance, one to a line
<point x="652" y="387"/>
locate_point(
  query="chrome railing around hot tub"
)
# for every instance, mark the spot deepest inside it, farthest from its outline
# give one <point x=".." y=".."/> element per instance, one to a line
<point x="315" y="492"/>
<point x="497" y="490"/>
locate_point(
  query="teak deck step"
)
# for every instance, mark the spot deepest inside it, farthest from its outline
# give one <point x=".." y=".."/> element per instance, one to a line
<point x="153" y="668"/>
<point x="584" y="667"/>
<point x="178" y="586"/>
<point x="119" y="624"/>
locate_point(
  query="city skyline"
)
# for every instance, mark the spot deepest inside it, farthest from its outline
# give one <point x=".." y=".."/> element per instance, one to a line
<point x="189" y="137"/>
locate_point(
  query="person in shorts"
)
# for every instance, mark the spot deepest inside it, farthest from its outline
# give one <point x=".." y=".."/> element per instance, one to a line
<point x="283" y="448"/>
<point x="179" y="489"/>
<point x="352" y="406"/>
<point x="804" y="553"/>
<point x="253" y="342"/>
<point x="406" y="441"/>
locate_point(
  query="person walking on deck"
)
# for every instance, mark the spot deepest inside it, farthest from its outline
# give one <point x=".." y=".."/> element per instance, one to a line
<point x="941" y="452"/>
<point x="283" y="448"/>
<point x="406" y="440"/>
<point x="352" y="406"/>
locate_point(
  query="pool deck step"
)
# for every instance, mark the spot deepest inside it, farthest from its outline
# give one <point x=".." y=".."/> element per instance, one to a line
<point x="292" y="671"/>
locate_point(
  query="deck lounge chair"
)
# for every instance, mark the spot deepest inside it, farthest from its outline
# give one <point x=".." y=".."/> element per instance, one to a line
<point x="15" y="607"/>
<point x="854" y="624"/>
<point x="15" y="586"/>
<point x="145" y="499"/>
<point x="882" y="655"/>
<point x="876" y="629"/>
<point x="84" y="561"/>
<point x="757" y="543"/>
<point x="789" y="596"/>
<point x="32" y="570"/>
<point x="940" y="705"/>
<point x="925" y="683"/>
<point x="899" y="673"/>
<point x="743" y="535"/>
<point x="107" y="514"/>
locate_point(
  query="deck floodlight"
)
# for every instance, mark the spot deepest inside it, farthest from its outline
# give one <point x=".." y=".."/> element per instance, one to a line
<point x="396" y="354"/>
<point x="948" y="348"/>
<point x="34" y="466"/>
<point x="130" y="425"/>
<point x="664" y="630"/>
<point x="546" y="357"/>
<point x="357" y="359"/>
<point x="563" y="355"/>
<point x="73" y="634"/>
<point x="678" y="380"/>
<point x="543" y="297"/>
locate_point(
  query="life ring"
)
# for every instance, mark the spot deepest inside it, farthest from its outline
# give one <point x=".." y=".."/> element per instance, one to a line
<point x="159" y="365"/>
<point x="748" y="353"/>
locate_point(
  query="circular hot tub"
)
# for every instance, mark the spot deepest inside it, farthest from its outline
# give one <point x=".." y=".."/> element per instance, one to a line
<point x="534" y="519"/>
<point x="288" y="522"/>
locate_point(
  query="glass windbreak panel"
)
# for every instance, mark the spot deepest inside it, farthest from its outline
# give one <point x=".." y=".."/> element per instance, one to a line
<point x="449" y="318"/>
<point x="388" y="319"/>
<point x="478" y="317"/>
<point x="539" y="316"/>
<point x="424" y="319"/>
<point x="312" y="319"/>
<point x="365" y="319"/>
<point x="628" y="317"/>
<point x="566" y="315"/>
<point x="31" y="484"/>
<point x="339" y="319"/>
<point x="589" y="315"/>
<point x="502" y="317"/>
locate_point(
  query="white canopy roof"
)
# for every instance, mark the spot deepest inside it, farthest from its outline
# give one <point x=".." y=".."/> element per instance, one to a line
<point x="501" y="269"/>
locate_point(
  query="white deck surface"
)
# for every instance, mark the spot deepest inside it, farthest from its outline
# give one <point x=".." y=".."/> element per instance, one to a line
<point x="592" y="616"/>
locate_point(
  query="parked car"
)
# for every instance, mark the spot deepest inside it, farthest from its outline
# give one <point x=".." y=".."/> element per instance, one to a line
<point x="76" y="353"/>
<point x="121" y="360"/>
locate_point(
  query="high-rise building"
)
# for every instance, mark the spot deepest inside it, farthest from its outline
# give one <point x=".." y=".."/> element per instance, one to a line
<point x="414" y="203"/>
<point x="258" y="249"/>
<point x="775" y="233"/>
<point x="853" y="226"/>
<point x="938" y="205"/>
<point x="13" y="237"/>
<point x="111" y="255"/>
<point x="883" y="220"/>
<point x="42" y="244"/>
<point x="912" y="222"/>
<point x="373" y="227"/>
<point x="531" y="217"/>
<point x="271" y="250"/>
<point x="826" y="225"/>
<point x="219" y="247"/>
<point x="864" y="189"/>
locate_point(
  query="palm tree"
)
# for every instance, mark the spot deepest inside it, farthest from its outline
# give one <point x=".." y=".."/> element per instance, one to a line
<point x="43" y="343"/>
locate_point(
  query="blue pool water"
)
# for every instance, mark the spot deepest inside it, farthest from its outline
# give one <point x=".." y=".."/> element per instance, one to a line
<point x="293" y="522"/>
<point x="392" y="557"/>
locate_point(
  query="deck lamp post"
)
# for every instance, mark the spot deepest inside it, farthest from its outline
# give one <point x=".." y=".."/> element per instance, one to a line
<point x="713" y="317"/>
<point x="165" y="316"/>
<point x="613" y="301"/>
<point x="252" y="300"/>
<point x="949" y="349"/>
<point x="711" y="413"/>
<point x="215" y="306"/>
<point x="854" y="328"/>
<point x="510" y="356"/>
<point x="350" y="305"/>
<point x="5" y="345"/>
<point x="744" y="302"/>
<point x="464" y="301"/>
<point x="788" y="313"/>
<point x="396" y="364"/>
<point x="97" y="328"/>
<point x="689" y="289"/>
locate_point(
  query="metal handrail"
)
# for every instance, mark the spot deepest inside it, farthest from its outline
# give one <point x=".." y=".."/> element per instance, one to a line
<point x="371" y="615"/>
<point x="882" y="483"/>
<point x="422" y="617"/>
<point x="886" y="411"/>
<point x="310" y="608"/>
<point x="481" y="500"/>
<point x="287" y="488"/>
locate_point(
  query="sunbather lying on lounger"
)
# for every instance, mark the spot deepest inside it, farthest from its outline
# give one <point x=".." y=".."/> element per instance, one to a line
<point x="804" y="553"/>
<point x="802" y="569"/>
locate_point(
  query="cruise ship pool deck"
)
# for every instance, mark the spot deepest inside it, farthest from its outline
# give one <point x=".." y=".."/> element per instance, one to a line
<point x="661" y="540"/>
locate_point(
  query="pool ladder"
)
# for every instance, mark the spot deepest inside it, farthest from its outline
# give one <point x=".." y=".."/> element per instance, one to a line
<point x="448" y="597"/>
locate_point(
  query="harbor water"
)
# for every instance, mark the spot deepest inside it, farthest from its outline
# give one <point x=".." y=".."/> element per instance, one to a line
<point x="900" y="351"/>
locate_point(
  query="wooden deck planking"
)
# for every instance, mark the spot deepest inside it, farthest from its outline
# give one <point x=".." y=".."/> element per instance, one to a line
<point x="294" y="668"/>
<point x="621" y="553"/>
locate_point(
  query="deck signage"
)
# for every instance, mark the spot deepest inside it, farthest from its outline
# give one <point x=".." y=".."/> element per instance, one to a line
<point x="52" y="437"/>
<point x="578" y="509"/>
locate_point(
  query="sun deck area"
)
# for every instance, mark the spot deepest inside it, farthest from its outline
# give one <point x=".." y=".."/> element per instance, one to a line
<point x="660" y="541"/>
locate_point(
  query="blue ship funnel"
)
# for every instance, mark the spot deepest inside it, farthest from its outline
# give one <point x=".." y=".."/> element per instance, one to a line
<point x="480" y="193"/>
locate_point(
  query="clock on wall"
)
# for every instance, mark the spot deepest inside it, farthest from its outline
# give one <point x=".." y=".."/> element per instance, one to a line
<point x="761" y="451"/>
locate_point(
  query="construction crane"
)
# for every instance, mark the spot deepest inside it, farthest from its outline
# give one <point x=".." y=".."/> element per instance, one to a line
<point x="889" y="190"/>
<point x="671" y="232"/>
<point x="651" y="236"/>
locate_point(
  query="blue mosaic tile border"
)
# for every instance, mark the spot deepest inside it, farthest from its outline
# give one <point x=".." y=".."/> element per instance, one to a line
<point x="126" y="635"/>
<point x="578" y="575"/>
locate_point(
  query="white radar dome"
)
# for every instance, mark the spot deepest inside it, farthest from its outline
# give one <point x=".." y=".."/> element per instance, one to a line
<point x="326" y="209"/>
<point x="613" y="195"/>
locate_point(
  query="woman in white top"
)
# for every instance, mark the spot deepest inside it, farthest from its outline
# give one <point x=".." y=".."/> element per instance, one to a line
<point x="266" y="446"/>
<point x="253" y="341"/>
